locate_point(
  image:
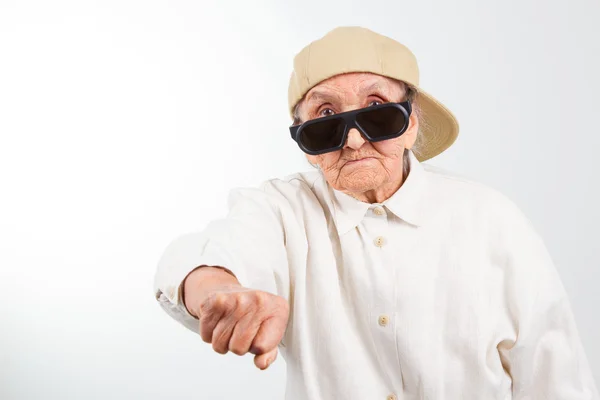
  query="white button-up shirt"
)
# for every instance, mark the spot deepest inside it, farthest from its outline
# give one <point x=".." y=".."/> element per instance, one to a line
<point x="444" y="291"/>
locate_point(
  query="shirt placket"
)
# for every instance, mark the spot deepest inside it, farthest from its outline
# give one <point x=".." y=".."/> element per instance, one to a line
<point x="382" y="315"/>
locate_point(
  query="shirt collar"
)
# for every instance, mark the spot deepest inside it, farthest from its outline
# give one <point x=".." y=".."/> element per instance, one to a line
<point x="406" y="203"/>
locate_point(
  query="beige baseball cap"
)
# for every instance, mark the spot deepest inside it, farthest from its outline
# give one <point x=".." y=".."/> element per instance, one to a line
<point x="356" y="49"/>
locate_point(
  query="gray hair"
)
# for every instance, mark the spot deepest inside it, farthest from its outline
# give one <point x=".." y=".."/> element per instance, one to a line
<point x="412" y="95"/>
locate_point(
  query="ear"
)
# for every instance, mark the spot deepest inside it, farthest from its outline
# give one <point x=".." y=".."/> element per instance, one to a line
<point x="410" y="136"/>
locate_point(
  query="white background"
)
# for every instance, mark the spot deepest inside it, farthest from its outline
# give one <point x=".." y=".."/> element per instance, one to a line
<point x="125" y="123"/>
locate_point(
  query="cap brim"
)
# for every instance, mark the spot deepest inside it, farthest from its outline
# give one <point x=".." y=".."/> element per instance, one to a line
<point x="438" y="127"/>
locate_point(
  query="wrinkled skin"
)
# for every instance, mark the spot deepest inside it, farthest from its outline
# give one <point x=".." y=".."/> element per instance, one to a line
<point x="378" y="174"/>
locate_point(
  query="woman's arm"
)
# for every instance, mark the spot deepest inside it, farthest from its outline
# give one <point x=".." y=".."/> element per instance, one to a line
<point x="546" y="361"/>
<point x="249" y="242"/>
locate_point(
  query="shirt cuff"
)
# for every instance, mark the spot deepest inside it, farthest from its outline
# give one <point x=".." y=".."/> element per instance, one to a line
<point x="182" y="257"/>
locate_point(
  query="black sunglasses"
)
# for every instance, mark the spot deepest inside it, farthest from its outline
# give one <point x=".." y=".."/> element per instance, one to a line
<point x="376" y="123"/>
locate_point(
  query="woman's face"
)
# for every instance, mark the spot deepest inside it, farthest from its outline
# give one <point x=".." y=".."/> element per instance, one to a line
<point x="362" y="169"/>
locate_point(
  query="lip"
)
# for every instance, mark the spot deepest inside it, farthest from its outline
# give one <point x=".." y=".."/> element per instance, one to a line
<point x="359" y="160"/>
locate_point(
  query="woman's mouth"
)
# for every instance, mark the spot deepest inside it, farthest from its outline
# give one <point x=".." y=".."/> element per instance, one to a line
<point x="359" y="161"/>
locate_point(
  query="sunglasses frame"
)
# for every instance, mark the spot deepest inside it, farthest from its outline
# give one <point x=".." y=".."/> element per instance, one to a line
<point x="349" y="118"/>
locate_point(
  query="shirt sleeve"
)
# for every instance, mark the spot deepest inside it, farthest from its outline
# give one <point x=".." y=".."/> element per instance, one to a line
<point x="249" y="242"/>
<point x="546" y="359"/>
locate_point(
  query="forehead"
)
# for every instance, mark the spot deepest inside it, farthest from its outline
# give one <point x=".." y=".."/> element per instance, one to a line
<point x="352" y="84"/>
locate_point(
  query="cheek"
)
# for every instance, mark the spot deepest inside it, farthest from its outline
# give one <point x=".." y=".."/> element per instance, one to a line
<point x="312" y="159"/>
<point x="390" y="148"/>
<point x="325" y="161"/>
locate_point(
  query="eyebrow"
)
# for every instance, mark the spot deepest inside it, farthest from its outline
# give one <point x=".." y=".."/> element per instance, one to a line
<point x="375" y="87"/>
<point x="321" y="96"/>
<point x="327" y="97"/>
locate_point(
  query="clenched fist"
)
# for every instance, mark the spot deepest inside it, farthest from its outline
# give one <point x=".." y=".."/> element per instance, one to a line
<point x="234" y="318"/>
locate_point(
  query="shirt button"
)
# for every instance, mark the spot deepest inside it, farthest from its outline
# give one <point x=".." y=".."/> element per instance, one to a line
<point x="379" y="211"/>
<point x="391" y="397"/>
<point x="379" y="241"/>
<point x="383" y="320"/>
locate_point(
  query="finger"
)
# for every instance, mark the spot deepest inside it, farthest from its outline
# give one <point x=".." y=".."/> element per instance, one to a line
<point x="212" y="310"/>
<point x="222" y="334"/>
<point x="262" y="361"/>
<point x="269" y="335"/>
<point x="243" y="335"/>
<point x="208" y="323"/>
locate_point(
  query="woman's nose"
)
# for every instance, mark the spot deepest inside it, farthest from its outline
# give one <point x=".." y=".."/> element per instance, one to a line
<point x="355" y="140"/>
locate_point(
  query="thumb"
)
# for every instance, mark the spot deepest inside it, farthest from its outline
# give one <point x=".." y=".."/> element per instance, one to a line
<point x="262" y="361"/>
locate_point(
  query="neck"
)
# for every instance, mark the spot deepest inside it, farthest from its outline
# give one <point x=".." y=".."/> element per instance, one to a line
<point x="380" y="194"/>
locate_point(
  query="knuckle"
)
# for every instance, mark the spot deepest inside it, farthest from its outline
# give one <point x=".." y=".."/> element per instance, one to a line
<point x="215" y="303"/>
<point x="206" y="338"/>
<point x="219" y="347"/>
<point x="206" y="334"/>
<point x="238" y="349"/>
<point x="259" y="347"/>
<point x="241" y="340"/>
<point x="220" y="300"/>
<point x="261" y="299"/>
<point x="243" y="302"/>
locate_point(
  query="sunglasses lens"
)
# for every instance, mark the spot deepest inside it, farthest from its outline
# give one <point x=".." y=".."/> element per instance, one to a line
<point x="382" y="122"/>
<point x="323" y="135"/>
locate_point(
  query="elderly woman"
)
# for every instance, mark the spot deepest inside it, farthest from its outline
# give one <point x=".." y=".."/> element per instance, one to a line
<point x="377" y="276"/>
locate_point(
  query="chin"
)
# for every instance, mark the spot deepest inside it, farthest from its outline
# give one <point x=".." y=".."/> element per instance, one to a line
<point x="361" y="181"/>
